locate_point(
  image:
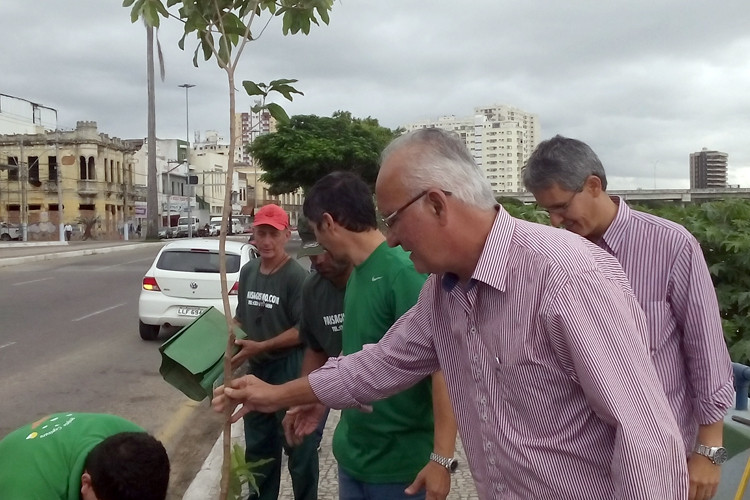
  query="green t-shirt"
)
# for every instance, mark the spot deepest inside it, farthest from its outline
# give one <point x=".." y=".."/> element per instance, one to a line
<point x="393" y="443"/>
<point x="44" y="460"/>
<point x="269" y="304"/>
<point x="322" y="315"/>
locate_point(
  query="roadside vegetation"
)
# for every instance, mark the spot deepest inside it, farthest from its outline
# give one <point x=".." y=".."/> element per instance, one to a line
<point x="723" y="230"/>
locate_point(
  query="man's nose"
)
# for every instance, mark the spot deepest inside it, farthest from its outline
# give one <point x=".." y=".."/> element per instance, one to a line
<point x="556" y="219"/>
<point x="391" y="239"/>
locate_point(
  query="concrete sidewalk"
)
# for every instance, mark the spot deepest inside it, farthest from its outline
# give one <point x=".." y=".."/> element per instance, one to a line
<point x="19" y="252"/>
<point x="206" y="483"/>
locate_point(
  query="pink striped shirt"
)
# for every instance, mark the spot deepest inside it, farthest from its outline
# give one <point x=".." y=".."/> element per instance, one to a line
<point x="545" y="360"/>
<point x="669" y="276"/>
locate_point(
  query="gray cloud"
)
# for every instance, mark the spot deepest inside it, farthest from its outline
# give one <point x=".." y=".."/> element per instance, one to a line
<point x="645" y="83"/>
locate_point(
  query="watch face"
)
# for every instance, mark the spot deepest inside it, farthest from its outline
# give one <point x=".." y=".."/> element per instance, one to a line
<point x="720" y="455"/>
<point x="453" y="465"/>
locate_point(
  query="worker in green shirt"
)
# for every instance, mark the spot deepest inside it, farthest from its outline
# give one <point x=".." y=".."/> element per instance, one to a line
<point x="82" y="456"/>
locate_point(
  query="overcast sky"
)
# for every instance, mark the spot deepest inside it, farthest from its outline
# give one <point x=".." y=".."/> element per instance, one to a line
<point x="645" y="83"/>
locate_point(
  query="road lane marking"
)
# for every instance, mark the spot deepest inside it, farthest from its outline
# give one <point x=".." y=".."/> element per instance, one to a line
<point x="32" y="281"/>
<point x="6" y="345"/>
<point x="100" y="311"/>
<point x="177" y="421"/>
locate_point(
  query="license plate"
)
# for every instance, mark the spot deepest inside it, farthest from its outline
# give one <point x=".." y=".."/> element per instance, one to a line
<point x="190" y="311"/>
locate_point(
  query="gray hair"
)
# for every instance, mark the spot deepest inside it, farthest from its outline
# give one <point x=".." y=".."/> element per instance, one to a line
<point x="562" y="161"/>
<point x="439" y="159"/>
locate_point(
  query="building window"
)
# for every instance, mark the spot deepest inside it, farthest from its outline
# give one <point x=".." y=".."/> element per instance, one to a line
<point x="13" y="172"/>
<point x="52" y="168"/>
<point x="34" y="171"/>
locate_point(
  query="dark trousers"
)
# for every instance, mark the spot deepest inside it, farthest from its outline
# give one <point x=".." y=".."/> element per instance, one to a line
<point x="264" y="438"/>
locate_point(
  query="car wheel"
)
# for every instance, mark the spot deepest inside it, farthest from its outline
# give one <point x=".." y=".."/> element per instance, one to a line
<point x="148" y="332"/>
<point x="5" y="237"/>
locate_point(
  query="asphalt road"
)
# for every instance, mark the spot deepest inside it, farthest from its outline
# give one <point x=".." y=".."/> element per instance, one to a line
<point x="69" y="342"/>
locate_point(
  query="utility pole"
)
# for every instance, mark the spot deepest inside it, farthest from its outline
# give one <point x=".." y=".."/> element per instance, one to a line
<point x="188" y="86"/>
<point x="22" y="178"/>
<point x="60" y="213"/>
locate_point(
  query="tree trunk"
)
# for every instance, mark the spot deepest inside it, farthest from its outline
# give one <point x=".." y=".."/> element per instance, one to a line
<point x="152" y="198"/>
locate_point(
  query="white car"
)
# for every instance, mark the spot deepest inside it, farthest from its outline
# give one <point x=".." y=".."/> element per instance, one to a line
<point x="184" y="280"/>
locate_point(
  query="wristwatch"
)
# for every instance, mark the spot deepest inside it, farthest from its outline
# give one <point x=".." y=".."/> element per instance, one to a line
<point x="449" y="463"/>
<point x="716" y="454"/>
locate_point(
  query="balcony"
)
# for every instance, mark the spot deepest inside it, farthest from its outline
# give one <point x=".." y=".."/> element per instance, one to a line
<point x="88" y="187"/>
<point x="49" y="186"/>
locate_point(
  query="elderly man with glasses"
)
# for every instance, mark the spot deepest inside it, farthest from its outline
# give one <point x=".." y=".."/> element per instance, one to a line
<point x="536" y="330"/>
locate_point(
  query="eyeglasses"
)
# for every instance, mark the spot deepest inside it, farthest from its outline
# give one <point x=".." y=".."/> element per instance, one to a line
<point x="561" y="209"/>
<point x="391" y="219"/>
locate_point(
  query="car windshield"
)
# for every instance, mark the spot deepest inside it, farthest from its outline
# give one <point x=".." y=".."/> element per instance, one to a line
<point x="191" y="261"/>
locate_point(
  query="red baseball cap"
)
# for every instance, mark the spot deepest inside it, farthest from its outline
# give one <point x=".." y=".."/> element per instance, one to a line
<point x="273" y="215"/>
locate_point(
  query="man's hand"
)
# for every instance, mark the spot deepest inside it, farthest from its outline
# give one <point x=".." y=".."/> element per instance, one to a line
<point x="704" y="477"/>
<point x="248" y="349"/>
<point x="250" y="392"/>
<point x="301" y="421"/>
<point x="435" y="478"/>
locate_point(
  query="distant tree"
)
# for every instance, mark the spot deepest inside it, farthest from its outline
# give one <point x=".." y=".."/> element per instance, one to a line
<point x="308" y="147"/>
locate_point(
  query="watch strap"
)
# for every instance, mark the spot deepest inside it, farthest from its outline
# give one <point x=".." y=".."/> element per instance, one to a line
<point x="445" y="462"/>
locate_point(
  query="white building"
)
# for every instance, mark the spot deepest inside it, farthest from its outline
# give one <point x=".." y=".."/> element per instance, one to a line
<point x="500" y="138"/>
<point x="20" y="116"/>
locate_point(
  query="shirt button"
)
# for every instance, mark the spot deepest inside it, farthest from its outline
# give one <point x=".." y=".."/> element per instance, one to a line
<point x="473" y="330"/>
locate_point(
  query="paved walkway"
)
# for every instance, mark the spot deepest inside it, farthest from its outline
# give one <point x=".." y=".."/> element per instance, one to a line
<point x="206" y="483"/>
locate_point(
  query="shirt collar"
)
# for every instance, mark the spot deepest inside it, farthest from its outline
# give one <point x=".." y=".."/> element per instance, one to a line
<point x="492" y="266"/>
<point x="617" y="232"/>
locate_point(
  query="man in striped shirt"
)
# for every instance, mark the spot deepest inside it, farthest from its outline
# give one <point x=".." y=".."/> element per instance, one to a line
<point x="540" y="339"/>
<point x="669" y="276"/>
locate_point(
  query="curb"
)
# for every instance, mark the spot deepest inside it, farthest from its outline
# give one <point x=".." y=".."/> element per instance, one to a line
<point x="206" y="482"/>
<point x="10" y="261"/>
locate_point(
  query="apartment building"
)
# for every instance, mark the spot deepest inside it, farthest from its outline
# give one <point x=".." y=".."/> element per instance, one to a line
<point x="53" y="177"/>
<point x="708" y="169"/>
<point x="500" y="138"/>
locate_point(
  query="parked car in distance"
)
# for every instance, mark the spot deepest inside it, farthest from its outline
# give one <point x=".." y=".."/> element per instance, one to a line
<point x="165" y="233"/>
<point x="183" y="281"/>
<point x="9" y="232"/>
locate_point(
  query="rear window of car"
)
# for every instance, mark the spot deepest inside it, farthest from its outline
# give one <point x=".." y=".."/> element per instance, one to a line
<point x="191" y="261"/>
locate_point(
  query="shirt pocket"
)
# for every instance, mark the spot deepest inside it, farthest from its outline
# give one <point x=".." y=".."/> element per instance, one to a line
<point x="661" y="324"/>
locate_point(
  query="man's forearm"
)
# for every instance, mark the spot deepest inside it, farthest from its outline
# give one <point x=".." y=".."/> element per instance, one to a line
<point x="293" y="393"/>
<point x="312" y="361"/>
<point x="286" y="339"/>
<point x="445" y="420"/>
<point x="710" y="434"/>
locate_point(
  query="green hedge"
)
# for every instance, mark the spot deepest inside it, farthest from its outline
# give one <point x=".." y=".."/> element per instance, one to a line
<point x="723" y="230"/>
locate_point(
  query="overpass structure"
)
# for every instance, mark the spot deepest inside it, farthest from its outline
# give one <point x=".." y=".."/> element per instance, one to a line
<point x="673" y="195"/>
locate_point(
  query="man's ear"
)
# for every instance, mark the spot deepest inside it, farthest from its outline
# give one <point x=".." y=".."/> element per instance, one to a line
<point x="593" y="184"/>
<point x="326" y="222"/>
<point x="438" y="201"/>
<point x="87" y="490"/>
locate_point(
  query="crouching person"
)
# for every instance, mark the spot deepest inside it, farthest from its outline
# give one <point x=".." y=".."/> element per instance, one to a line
<point x="82" y="456"/>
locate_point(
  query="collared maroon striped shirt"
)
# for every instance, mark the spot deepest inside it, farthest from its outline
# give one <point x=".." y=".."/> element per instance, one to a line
<point x="545" y="358"/>
<point x="666" y="269"/>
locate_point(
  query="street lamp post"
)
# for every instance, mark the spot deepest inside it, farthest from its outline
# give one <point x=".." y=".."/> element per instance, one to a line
<point x="188" y="86"/>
